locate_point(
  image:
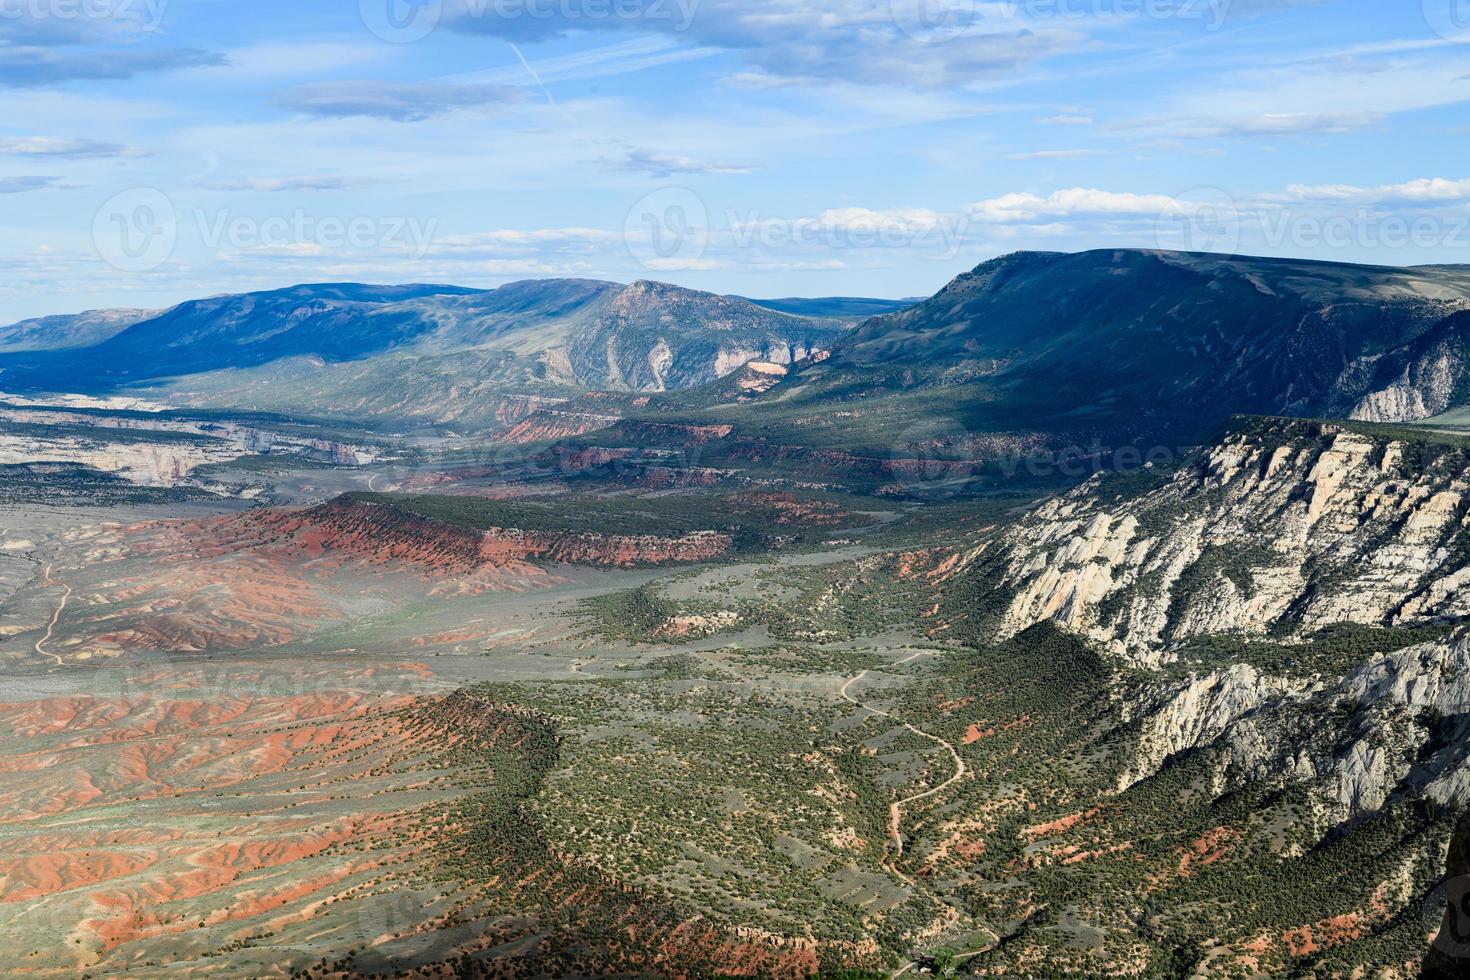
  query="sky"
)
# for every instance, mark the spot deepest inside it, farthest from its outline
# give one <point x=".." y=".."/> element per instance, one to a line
<point x="153" y="151"/>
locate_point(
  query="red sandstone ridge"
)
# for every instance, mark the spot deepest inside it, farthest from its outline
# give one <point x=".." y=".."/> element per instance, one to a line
<point x="377" y="534"/>
<point x="362" y="532"/>
<point x="551" y="424"/>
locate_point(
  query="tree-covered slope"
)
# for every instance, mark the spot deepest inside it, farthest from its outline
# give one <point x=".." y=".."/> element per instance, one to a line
<point x="1126" y="345"/>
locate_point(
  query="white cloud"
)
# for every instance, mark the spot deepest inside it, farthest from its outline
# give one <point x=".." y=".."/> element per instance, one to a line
<point x="1076" y="201"/>
<point x="857" y="219"/>
<point x="1068" y="119"/>
<point x="393" y="101"/>
<point x="1425" y="190"/>
<point x="19" y="185"/>
<point x="874" y="42"/>
<point x="283" y="184"/>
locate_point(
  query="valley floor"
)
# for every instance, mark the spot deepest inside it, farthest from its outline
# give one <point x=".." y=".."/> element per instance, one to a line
<point x="689" y="734"/>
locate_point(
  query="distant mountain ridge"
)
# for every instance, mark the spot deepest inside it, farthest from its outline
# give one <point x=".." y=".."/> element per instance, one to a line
<point x="1127" y="344"/>
<point x="66" y="331"/>
<point x="1035" y="349"/>
<point x="423" y="351"/>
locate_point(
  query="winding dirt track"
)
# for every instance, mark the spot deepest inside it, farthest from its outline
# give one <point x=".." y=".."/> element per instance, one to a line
<point x="895" y="812"/>
<point x="55" y="618"/>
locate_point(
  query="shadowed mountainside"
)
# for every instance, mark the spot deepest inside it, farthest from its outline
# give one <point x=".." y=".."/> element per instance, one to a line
<point x="1125" y="345"/>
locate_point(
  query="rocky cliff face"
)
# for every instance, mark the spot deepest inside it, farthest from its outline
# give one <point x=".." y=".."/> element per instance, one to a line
<point x="1282" y="528"/>
<point x="1285" y="610"/>
<point x="148" y="449"/>
<point x="656" y="337"/>
<point x="1397" y="727"/>
<point x="141" y="463"/>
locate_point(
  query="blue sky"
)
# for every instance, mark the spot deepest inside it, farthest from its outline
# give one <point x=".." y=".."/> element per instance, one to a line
<point x="155" y="150"/>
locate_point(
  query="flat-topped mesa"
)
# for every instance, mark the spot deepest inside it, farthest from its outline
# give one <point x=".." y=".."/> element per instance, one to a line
<point x="1127" y="343"/>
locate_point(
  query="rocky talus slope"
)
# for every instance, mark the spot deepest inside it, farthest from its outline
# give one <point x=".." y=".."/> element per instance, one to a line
<point x="1282" y="528"/>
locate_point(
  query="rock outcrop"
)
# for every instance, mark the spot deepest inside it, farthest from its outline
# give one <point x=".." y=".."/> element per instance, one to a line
<point x="1283" y="527"/>
<point x="1396" y="727"/>
<point x="147" y="449"/>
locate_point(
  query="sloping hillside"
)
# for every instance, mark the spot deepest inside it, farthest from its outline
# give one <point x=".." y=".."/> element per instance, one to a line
<point x="1125" y="345"/>
<point x="61" y="332"/>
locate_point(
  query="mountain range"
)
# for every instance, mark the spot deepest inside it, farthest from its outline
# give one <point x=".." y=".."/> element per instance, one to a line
<point x="1045" y="348"/>
<point x="432" y="352"/>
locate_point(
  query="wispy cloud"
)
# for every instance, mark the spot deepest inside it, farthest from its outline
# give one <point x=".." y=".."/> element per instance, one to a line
<point x="36" y="67"/>
<point x="80" y="149"/>
<point x="1285" y="124"/>
<point x="1054" y="155"/>
<point x="669" y="164"/>
<point x="281" y="184"/>
<point x="393" y="101"/>
<point x="19" y="185"/>
<point x="1068" y="119"/>
<point x="1423" y="191"/>
<point x="604" y="61"/>
<point x="879" y="42"/>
